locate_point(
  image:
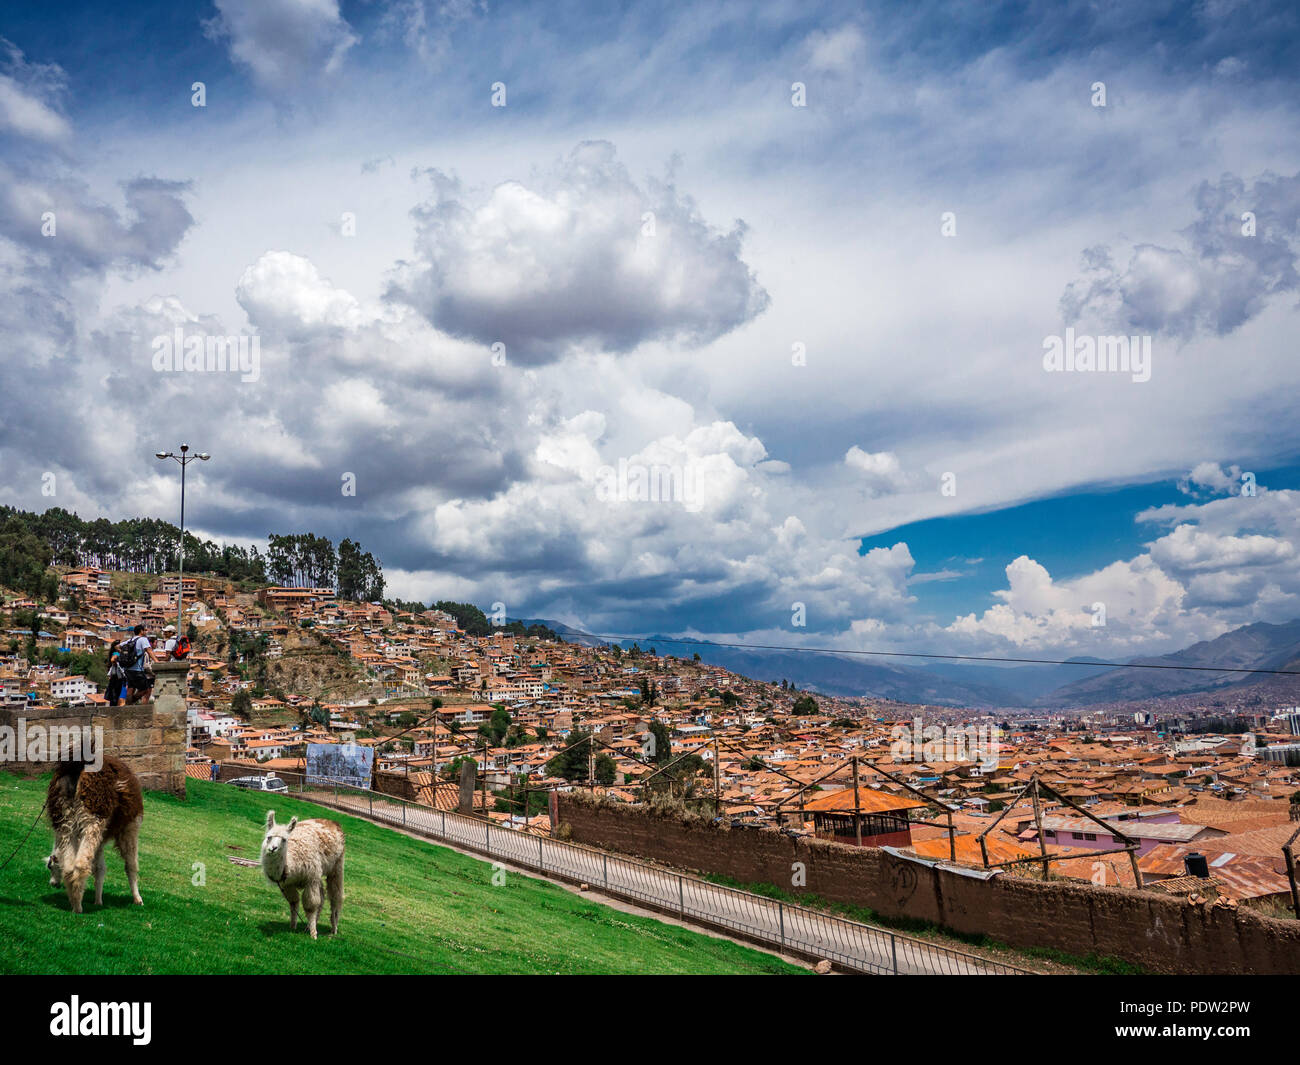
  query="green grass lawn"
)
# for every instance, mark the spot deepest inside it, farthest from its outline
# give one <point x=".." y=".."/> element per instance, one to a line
<point x="411" y="907"/>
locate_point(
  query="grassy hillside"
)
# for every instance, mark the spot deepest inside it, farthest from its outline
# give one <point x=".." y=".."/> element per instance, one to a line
<point x="411" y="907"/>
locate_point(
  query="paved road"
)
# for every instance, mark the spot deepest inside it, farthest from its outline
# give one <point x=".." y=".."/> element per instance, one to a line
<point x="794" y="928"/>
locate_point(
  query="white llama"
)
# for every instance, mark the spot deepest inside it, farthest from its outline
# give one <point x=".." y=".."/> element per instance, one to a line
<point x="296" y="856"/>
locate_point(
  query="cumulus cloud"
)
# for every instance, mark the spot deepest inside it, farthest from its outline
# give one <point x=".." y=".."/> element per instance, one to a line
<point x="1189" y="549"/>
<point x="879" y="471"/>
<point x="1240" y="251"/>
<point x="285" y="292"/>
<point x="1224" y="563"/>
<point x="728" y="545"/>
<point x="1138" y="601"/>
<point x="1212" y="479"/>
<point x="580" y="256"/>
<point x="284" y="43"/>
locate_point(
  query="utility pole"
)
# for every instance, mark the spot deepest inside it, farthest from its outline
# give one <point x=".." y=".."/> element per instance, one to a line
<point x="1042" y="842"/>
<point x="857" y="805"/>
<point x="717" y="787"/>
<point x="184" y="458"/>
<point x="483" y="778"/>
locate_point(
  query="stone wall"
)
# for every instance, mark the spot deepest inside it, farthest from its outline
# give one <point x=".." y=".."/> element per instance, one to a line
<point x="1156" y="932"/>
<point x="149" y="737"/>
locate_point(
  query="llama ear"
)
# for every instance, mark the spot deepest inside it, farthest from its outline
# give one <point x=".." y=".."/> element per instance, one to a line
<point x="293" y="822"/>
<point x="270" y="818"/>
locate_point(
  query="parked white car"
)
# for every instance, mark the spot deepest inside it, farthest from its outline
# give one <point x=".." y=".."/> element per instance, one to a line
<point x="269" y="782"/>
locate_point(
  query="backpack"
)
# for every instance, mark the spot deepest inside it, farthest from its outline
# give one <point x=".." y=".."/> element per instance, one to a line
<point x="182" y="648"/>
<point x="128" y="654"/>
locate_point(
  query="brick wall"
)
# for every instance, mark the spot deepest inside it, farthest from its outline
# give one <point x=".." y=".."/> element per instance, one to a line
<point x="149" y="737"/>
<point x="398" y="785"/>
<point x="1159" y="933"/>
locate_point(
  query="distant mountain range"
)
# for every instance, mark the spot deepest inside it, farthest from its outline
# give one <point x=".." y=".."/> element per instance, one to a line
<point x="1258" y="646"/>
<point x="1083" y="682"/>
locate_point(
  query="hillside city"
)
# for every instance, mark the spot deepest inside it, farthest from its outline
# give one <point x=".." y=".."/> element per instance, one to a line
<point x="276" y="668"/>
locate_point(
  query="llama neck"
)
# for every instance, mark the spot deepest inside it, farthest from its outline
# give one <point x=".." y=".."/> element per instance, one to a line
<point x="273" y="864"/>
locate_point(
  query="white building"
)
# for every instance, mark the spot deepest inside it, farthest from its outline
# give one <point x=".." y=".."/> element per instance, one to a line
<point x="71" y="689"/>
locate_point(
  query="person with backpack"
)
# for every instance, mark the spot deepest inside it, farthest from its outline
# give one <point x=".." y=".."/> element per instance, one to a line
<point x="136" y="654"/>
<point x="176" y="648"/>
<point x="116" y="675"/>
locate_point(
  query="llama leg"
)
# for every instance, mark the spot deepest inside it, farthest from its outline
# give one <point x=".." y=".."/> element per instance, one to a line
<point x="291" y="896"/>
<point x="100" y="870"/>
<point x="335" y="885"/>
<point x="76" y="875"/>
<point x="65" y="853"/>
<point x="311" y="902"/>
<point x="129" y="845"/>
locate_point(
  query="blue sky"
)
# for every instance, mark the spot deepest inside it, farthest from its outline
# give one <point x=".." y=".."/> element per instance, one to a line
<point x="804" y="260"/>
<point x="1071" y="534"/>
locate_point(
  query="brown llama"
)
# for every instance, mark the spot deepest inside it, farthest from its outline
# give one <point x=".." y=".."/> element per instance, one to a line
<point x="87" y="809"/>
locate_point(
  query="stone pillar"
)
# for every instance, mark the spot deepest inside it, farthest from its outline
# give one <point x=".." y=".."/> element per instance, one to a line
<point x="467" y="782"/>
<point x="165" y="762"/>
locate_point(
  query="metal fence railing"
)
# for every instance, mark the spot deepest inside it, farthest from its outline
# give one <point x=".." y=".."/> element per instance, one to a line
<point x="796" y="929"/>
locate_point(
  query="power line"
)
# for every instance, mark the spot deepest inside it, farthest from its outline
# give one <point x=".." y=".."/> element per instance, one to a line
<point x="920" y="654"/>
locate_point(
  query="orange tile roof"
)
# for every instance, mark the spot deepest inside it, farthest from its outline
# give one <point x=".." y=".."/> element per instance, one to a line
<point x="968" y="850"/>
<point x="870" y="801"/>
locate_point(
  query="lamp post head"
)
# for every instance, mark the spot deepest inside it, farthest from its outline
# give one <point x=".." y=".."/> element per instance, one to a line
<point x="203" y="455"/>
<point x="162" y="454"/>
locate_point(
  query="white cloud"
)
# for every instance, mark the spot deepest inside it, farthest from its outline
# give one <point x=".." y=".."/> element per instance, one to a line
<point x="1189" y="549"/>
<point x="1140" y="604"/>
<point x="837" y="50"/>
<point x="1224" y="563"/>
<point x="284" y="43"/>
<point x="29" y="98"/>
<point x="584" y="256"/>
<point x="27" y="116"/>
<point x="880" y="471"/>
<point x="1213" y="478"/>
<point x="286" y="292"/>
<point x="1241" y="252"/>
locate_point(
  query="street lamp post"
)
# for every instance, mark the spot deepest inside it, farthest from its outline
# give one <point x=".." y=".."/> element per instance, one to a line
<point x="184" y="458"/>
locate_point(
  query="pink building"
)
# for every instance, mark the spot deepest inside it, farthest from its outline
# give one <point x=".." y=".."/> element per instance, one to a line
<point x="1149" y="832"/>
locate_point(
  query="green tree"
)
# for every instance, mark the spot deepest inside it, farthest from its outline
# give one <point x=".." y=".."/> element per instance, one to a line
<point x="605" y="769"/>
<point x="496" y="727"/>
<point x="661" y="749"/>
<point x="571" y="762"/>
